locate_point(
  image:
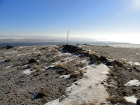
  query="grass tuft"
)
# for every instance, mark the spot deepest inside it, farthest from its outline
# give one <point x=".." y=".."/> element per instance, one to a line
<point x="59" y="65"/>
<point x="36" y="67"/>
<point x="112" y="73"/>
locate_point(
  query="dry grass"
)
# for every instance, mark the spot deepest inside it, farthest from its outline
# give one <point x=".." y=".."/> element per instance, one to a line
<point x="2" y="55"/>
<point x="36" y="67"/>
<point x="8" y="60"/>
<point x="112" y="73"/>
<point x="82" y="71"/>
<point x="115" y="100"/>
<point x="115" y="66"/>
<point x="59" y="65"/>
<point x="62" y="60"/>
<point x="57" y="47"/>
<point x="91" y="103"/>
<point x="80" y="64"/>
<point x="72" y="61"/>
<point x="55" y="52"/>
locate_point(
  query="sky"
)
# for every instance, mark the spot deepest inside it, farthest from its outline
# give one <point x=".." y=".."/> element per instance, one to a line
<point x="109" y="20"/>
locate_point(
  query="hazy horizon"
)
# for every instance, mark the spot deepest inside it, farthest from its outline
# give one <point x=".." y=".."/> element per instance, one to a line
<point x="106" y="20"/>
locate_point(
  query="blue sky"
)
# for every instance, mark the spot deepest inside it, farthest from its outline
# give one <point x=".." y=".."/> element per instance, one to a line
<point x="113" y="20"/>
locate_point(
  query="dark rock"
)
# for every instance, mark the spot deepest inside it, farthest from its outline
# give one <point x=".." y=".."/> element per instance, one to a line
<point x="8" y="47"/>
<point x="37" y="95"/>
<point x="137" y="68"/>
<point x="103" y="59"/>
<point x="118" y="63"/>
<point x="32" y="61"/>
<point x="124" y="93"/>
<point x="138" y="102"/>
<point x="7" y="60"/>
<point x="71" y="48"/>
<point x="109" y="63"/>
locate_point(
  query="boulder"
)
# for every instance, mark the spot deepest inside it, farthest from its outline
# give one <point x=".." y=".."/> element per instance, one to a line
<point x="70" y="48"/>
<point x="138" y="102"/>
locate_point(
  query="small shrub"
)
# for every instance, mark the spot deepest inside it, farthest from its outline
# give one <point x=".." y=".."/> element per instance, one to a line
<point x="112" y="73"/>
<point x="75" y="74"/>
<point x="7" y="60"/>
<point x="115" y="66"/>
<point x="37" y="68"/>
<point x="32" y="61"/>
<point x="115" y="100"/>
<point x="82" y="71"/>
<point x="62" y="60"/>
<point x="59" y="65"/>
<point x="91" y="103"/>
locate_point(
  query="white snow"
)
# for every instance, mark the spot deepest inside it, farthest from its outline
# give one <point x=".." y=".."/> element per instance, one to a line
<point x="124" y="59"/>
<point x="9" y="66"/>
<point x="132" y="99"/>
<point x="105" y="73"/>
<point x="65" y="76"/>
<point x="136" y="63"/>
<point x="28" y="71"/>
<point x="130" y="62"/>
<point x="133" y="83"/>
<point x="14" y="51"/>
<point x="88" y="89"/>
<point x="25" y="65"/>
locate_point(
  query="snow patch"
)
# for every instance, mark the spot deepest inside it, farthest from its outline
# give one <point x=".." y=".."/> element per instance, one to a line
<point x="65" y="76"/>
<point x="133" y="83"/>
<point x="28" y="71"/>
<point x="136" y="63"/>
<point x="132" y="99"/>
<point x="25" y="65"/>
<point x="88" y="89"/>
<point x="9" y="66"/>
<point x="105" y="73"/>
<point x="130" y="62"/>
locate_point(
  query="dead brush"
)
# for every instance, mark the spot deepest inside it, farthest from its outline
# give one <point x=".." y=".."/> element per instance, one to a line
<point x="72" y="61"/>
<point x="82" y="71"/>
<point x="60" y="65"/>
<point x="117" y="99"/>
<point x="112" y="73"/>
<point x="80" y="64"/>
<point x="57" y="47"/>
<point x="115" y="66"/>
<point x="55" y="52"/>
<point x="2" y="55"/>
<point x="76" y="74"/>
<point x="62" y="60"/>
<point x="36" y="67"/>
<point x="84" y="103"/>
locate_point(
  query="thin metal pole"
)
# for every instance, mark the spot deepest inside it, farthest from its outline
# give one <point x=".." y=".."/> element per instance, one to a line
<point x="67" y="36"/>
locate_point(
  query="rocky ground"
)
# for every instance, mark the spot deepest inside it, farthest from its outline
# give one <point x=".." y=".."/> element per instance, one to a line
<point x="37" y="75"/>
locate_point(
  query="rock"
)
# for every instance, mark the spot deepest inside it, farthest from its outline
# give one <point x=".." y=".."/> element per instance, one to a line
<point x="137" y="68"/>
<point x="103" y="59"/>
<point x="138" y="101"/>
<point x="71" y="49"/>
<point x="32" y="61"/>
<point x="7" y="60"/>
<point x="117" y="63"/>
<point x="8" y="47"/>
<point x="37" y="95"/>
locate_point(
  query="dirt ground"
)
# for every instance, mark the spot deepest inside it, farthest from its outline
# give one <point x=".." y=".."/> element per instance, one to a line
<point x="31" y="75"/>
